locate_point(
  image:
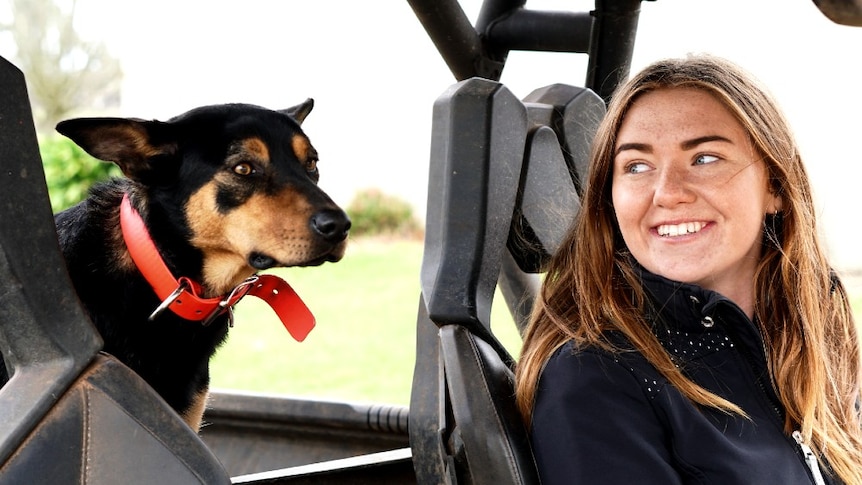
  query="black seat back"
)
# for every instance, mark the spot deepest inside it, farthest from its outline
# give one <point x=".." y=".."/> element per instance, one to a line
<point x="67" y="413"/>
<point x="503" y="189"/>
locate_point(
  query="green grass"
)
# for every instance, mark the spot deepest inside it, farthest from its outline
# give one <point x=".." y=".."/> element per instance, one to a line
<point x="364" y="345"/>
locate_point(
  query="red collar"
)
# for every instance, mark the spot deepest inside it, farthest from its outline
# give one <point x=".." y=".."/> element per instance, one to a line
<point x="181" y="295"/>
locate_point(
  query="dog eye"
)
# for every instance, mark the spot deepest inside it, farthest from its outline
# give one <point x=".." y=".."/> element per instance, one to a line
<point x="311" y="165"/>
<point x="243" y="169"/>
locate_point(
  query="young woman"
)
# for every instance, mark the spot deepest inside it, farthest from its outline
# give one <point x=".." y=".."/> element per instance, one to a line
<point x="690" y="329"/>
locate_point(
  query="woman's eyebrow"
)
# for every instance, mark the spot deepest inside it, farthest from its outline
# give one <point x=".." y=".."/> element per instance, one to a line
<point x="685" y="145"/>
<point x="689" y="144"/>
<point x="641" y="147"/>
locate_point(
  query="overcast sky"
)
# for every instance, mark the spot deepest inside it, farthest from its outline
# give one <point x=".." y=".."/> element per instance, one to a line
<point x="374" y="75"/>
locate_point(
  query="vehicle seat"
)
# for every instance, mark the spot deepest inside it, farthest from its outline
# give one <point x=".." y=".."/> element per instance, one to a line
<point x="503" y="189"/>
<point x="69" y="413"/>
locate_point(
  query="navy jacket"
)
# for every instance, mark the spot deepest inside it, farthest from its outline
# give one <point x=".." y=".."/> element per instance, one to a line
<point x="603" y="418"/>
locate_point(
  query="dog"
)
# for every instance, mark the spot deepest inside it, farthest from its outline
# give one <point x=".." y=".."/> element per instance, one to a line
<point x="221" y="192"/>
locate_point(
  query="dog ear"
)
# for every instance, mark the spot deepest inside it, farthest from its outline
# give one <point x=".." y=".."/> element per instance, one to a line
<point x="130" y="143"/>
<point x="300" y="111"/>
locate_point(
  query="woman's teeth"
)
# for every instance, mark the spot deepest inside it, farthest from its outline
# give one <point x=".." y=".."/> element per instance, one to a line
<point x="671" y="230"/>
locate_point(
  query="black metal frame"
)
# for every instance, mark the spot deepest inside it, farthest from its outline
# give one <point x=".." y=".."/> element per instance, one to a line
<point x="606" y="34"/>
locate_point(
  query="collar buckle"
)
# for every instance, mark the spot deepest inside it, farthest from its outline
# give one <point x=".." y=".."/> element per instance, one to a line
<point x="167" y="302"/>
<point x="227" y="303"/>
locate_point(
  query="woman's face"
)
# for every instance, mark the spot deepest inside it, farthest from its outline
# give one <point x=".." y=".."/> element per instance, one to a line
<point x="690" y="191"/>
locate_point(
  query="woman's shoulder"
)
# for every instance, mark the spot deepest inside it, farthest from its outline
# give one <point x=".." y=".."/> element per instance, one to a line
<point x="617" y="351"/>
<point x="617" y="367"/>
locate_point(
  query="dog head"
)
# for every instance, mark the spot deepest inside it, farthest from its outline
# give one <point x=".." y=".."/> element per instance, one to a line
<point x="239" y="180"/>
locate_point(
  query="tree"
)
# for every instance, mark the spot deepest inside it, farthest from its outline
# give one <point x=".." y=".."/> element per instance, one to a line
<point x="64" y="72"/>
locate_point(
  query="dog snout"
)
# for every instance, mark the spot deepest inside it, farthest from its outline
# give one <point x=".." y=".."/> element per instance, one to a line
<point x="331" y="224"/>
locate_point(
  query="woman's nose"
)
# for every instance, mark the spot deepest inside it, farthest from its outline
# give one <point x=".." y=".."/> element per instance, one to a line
<point x="672" y="187"/>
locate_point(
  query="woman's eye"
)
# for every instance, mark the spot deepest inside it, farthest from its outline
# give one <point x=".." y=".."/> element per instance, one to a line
<point x="705" y="159"/>
<point x="243" y="169"/>
<point x="636" y="167"/>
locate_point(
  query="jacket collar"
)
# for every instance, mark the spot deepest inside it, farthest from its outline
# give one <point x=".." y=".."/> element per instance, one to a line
<point x="686" y="303"/>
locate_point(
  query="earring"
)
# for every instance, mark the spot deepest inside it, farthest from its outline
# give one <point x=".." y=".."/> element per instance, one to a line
<point x="773" y="224"/>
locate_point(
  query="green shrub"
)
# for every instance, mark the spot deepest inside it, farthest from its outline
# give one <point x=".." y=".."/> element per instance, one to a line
<point x="70" y="171"/>
<point x="374" y="213"/>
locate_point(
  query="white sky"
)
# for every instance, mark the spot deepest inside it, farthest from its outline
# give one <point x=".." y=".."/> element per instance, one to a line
<point x="374" y="75"/>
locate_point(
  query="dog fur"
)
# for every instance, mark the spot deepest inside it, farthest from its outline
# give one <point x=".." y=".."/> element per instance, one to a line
<point x="225" y="191"/>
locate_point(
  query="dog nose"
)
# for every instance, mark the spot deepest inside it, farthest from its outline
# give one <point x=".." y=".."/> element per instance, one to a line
<point x="332" y="224"/>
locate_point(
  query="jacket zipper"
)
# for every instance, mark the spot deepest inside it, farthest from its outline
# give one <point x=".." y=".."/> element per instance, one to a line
<point x="753" y="362"/>
<point x="810" y="459"/>
<point x="807" y="454"/>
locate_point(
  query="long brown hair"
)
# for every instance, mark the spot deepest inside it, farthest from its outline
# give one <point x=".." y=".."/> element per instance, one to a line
<point x="809" y="333"/>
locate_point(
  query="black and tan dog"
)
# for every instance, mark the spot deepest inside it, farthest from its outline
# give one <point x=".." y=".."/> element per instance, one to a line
<point x="222" y="192"/>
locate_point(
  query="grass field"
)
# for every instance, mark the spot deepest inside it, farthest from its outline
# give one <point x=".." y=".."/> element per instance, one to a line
<point x="363" y="347"/>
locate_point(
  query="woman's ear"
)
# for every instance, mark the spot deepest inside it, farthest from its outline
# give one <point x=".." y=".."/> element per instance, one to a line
<point x="774" y="201"/>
